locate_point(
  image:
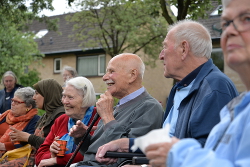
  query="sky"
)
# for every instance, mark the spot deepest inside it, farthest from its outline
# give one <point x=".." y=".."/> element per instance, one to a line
<point x="61" y="7"/>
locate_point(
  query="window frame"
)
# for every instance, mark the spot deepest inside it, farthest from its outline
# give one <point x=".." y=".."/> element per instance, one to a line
<point x="99" y="56"/>
<point x="55" y="62"/>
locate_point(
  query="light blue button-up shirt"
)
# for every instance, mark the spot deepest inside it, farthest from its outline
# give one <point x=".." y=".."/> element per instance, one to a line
<point x="172" y="117"/>
<point x="131" y="96"/>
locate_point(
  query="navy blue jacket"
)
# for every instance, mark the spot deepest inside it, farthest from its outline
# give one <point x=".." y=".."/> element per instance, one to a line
<point x="199" y="110"/>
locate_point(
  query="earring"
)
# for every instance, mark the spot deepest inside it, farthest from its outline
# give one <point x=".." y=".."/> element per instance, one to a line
<point x="27" y="109"/>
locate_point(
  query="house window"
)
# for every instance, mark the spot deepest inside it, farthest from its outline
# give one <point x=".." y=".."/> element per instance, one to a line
<point x="218" y="59"/>
<point x="91" y="65"/>
<point x="57" y="65"/>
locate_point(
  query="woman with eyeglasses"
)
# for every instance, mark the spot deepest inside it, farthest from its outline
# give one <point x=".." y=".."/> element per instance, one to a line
<point x="47" y="97"/>
<point x="22" y="116"/>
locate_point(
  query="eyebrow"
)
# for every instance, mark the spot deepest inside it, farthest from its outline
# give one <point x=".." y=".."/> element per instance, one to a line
<point x="224" y="17"/>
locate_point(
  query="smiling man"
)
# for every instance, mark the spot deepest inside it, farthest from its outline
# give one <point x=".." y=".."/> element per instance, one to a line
<point x="136" y="114"/>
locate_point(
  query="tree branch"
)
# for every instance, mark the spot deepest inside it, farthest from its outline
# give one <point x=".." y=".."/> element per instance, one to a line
<point x="165" y="13"/>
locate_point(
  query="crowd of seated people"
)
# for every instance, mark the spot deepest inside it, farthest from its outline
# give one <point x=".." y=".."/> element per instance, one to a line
<point x="70" y="110"/>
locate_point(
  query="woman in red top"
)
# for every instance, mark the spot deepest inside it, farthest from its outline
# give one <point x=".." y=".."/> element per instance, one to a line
<point x="78" y="99"/>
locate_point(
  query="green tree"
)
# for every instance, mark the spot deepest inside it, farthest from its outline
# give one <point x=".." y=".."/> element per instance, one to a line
<point x="192" y="9"/>
<point x="30" y="78"/>
<point x="17" y="46"/>
<point x="118" y="26"/>
<point x="131" y="26"/>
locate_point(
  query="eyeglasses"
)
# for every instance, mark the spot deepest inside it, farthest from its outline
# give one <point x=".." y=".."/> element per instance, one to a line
<point x="16" y="102"/>
<point x="241" y="23"/>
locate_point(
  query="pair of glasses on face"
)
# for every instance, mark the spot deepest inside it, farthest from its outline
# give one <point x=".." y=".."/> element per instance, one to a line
<point x="241" y="23"/>
<point x="16" y="102"/>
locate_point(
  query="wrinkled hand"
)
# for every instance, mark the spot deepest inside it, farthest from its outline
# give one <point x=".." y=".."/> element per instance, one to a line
<point x="157" y="153"/>
<point x="120" y="145"/>
<point x="47" y="162"/>
<point x="54" y="147"/>
<point x="18" y="135"/>
<point x="2" y="147"/>
<point x="78" y="130"/>
<point x="104" y="107"/>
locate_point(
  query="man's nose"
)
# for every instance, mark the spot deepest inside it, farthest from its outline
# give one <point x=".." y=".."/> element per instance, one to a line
<point x="161" y="55"/>
<point x="105" y="77"/>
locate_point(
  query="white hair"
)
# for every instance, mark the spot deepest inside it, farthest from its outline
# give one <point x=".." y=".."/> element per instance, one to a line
<point x="85" y="89"/>
<point x="71" y="70"/>
<point x="9" y="73"/>
<point x="26" y="94"/>
<point x="195" y="34"/>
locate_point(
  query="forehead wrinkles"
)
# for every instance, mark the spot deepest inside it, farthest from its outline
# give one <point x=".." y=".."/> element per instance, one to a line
<point x="117" y="64"/>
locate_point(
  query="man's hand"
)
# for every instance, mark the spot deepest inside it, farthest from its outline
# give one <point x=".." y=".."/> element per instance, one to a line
<point x="104" y="107"/>
<point x="120" y="145"/>
<point x="78" y="130"/>
<point x="47" y="162"/>
<point x="18" y="135"/>
<point x="157" y="153"/>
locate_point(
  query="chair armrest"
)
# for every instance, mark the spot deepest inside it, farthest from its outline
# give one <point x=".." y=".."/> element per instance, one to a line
<point x="139" y="160"/>
<point x="111" y="154"/>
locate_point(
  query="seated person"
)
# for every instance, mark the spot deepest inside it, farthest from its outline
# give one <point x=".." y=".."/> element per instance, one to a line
<point x="228" y="143"/>
<point x="136" y="114"/>
<point x="48" y="96"/>
<point x="78" y="98"/>
<point x="22" y="116"/>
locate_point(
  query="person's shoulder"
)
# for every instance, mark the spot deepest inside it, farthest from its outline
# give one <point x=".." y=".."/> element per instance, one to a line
<point x="216" y="76"/>
<point x="19" y="86"/>
<point x="36" y="117"/>
<point x="63" y="116"/>
<point x="150" y="101"/>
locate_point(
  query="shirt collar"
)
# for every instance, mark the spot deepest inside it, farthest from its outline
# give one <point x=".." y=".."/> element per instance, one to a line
<point x="189" y="78"/>
<point x="131" y="96"/>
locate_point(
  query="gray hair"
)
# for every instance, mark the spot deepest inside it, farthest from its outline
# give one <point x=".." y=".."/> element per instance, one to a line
<point x="9" y="73"/>
<point x="85" y="89"/>
<point x="26" y="94"/>
<point x="195" y="34"/>
<point x="71" y="70"/>
<point x="225" y="3"/>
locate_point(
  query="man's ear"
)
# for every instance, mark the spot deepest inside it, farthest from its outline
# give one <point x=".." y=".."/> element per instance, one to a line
<point x="185" y="49"/>
<point x="133" y="75"/>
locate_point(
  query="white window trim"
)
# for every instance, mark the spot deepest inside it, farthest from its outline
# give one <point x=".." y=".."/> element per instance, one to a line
<point x="55" y="60"/>
<point x="216" y="49"/>
<point x="99" y="63"/>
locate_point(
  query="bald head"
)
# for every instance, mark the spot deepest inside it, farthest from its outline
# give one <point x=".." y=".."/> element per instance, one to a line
<point x="124" y="74"/>
<point x="129" y="61"/>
